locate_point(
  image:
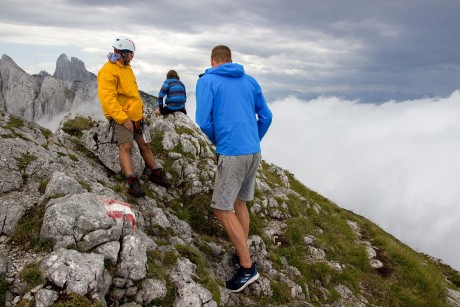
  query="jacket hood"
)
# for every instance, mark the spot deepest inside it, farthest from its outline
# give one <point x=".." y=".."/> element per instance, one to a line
<point x="229" y="69"/>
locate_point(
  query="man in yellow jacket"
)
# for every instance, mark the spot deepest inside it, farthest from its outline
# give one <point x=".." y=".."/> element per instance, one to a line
<point x="121" y="102"/>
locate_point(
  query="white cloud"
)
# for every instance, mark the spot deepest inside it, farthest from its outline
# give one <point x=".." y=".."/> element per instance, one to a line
<point x="395" y="163"/>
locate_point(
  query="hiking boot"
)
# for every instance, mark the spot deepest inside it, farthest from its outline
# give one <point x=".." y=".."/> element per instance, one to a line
<point x="135" y="188"/>
<point x="242" y="278"/>
<point x="157" y="176"/>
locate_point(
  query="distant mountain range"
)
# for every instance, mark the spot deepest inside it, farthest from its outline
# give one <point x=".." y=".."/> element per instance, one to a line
<point x="376" y="97"/>
<point x="42" y="95"/>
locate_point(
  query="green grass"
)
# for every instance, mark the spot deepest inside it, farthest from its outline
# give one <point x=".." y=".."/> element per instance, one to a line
<point x="75" y="300"/>
<point x="73" y="158"/>
<point x="85" y="185"/>
<point x="160" y="262"/>
<point x="180" y="149"/>
<point x="158" y="265"/>
<point x="46" y="132"/>
<point x="157" y="144"/>
<point x="32" y="275"/>
<point x="24" y="161"/>
<point x="27" y="231"/>
<point x="281" y="292"/>
<point x="411" y="279"/>
<point x="9" y="136"/>
<point x="197" y="212"/>
<point x="408" y="278"/>
<point x="272" y="178"/>
<point x="184" y="130"/>
<point x="43" y="184"/>
<point x="14" y="122"/>
<point x="76" y="126"/>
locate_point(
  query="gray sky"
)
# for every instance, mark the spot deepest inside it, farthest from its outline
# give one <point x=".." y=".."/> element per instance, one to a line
<point x="354" y="48"/>
<point x="395" y="163"/>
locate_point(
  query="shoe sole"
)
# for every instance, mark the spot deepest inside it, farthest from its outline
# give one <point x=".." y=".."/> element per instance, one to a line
<point x="250" y="281"/>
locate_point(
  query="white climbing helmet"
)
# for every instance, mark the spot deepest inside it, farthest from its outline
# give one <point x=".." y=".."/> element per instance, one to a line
<point x="123" y="43"/>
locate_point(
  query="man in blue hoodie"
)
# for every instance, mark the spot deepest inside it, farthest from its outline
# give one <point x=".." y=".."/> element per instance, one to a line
<point x="231" y="110"/>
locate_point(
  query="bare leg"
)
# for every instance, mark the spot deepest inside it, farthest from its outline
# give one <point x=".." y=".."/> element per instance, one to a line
<point x="236" y="234"/>
<point x="241" y="211"/>
<point x="125" y="158"/>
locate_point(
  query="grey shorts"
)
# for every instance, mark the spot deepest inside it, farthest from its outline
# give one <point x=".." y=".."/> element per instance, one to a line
<point x="235" y="179"/>
<point x="123" y="135"/>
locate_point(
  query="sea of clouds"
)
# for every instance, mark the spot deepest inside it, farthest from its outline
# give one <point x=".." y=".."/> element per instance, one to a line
<point x="396" y="163"/>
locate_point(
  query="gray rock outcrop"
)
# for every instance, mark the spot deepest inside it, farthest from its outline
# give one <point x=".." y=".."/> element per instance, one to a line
<point x="82" y="273"/>
<point x="33" y="97"/>
<point x="72" y="70"/>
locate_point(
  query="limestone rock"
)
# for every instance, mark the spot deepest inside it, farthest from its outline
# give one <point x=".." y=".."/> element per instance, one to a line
<point x="77" y="272"/>
<point x="189" y="293"/>
<point x="72" y="70"/>
<point x="45" y="298"/>
<point x="79" y="220"/>
<point x="133" y="258"/>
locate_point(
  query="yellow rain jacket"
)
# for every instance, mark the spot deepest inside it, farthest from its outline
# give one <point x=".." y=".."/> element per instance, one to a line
<point x="118" y="93"/>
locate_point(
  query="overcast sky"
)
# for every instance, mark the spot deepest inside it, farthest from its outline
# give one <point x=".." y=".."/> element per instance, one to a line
<point x="346" y="47"/>
<point x="395" y="163"/>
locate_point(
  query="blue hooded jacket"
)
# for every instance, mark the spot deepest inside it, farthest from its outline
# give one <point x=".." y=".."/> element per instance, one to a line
<point x="231" y="110"/>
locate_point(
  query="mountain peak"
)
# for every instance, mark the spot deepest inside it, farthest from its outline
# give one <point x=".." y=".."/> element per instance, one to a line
<point x="72" y="70"/>
<point x="7" y="61"/>
<point x="6" y="58"/>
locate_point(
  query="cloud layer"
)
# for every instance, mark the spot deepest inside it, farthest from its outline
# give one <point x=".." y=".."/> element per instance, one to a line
<point x="395" y="163"/>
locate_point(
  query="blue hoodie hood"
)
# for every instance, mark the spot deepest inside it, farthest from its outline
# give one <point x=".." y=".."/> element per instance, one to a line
<point x="233" y="70"/>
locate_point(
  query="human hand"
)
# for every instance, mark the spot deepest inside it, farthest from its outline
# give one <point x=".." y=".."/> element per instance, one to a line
<point x="157" y="111"/>
<point x="128" y="124"/>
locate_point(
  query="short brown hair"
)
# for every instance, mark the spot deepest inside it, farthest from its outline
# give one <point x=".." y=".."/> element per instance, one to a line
<point x="221" y="54"/>
<point x="172" y="74"/>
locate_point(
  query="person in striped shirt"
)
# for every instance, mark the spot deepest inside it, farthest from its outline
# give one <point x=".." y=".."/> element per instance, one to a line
<point x="172" y="96"/>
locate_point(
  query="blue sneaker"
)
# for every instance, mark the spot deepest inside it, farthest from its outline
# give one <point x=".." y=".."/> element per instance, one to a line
<point x="242" y="278"/>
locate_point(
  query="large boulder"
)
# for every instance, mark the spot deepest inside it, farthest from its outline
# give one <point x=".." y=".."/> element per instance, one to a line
<point x="82" y="273"/>
<point x="82" y="220"/>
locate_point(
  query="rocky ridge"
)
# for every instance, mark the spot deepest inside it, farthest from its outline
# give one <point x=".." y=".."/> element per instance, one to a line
<point x="33" y="97"/>
<point x="43" y="96"/>
<point x="166" y="248"/>
<point x="72" y="70"/>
